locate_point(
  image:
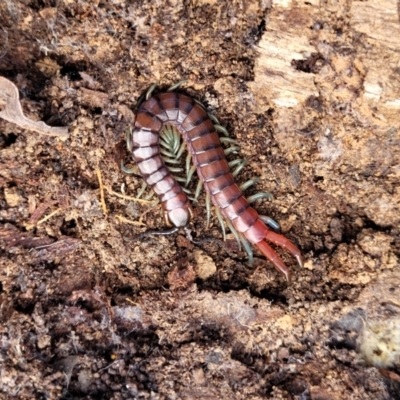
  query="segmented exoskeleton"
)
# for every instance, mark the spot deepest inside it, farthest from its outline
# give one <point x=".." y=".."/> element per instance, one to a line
<point x="205" y="148"/>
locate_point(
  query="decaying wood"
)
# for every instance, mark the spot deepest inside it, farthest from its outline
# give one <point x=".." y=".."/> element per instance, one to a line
<point x="11" y="111"/>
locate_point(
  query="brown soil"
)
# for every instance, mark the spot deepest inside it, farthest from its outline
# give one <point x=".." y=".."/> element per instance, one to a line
<point x="311" y="93"/>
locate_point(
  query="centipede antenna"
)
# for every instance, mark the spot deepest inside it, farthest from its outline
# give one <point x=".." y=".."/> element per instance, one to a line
<point x="198" y="189"/>
<point x="232" y="149"/>
<point x="176" y="85"/>
<point x="235" y="233"/>
<point x="221" y="222"/>
<point x="150" y="90"/>
<point x="208" y="208"/>
<point x="127" y="170"/>
<point x="270" y="222"/>
<point x="247" y="247"/>
<point x="221" y="129"/>
<point x="151" y="233"/>
<point x="228" y="140"/>
<point x="190" y="174"/>
<point x="142" y="189"/>
<point x="239" y="168"/>
<point x="244" y="186"/>
<point x="258" y="196"/>
<point x="213" y="119"/>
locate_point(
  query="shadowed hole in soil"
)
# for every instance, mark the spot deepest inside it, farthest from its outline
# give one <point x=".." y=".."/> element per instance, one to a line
<point x="68" y="228"/>
<point x="72" y="71"/>
<point x="273" y="295"/>
<point x="7" y="140"/>
<point x="224" y="287"/>
<point x="312" y="64"/>
<point x="255" y="34"/>
<point x="38" y="5"/>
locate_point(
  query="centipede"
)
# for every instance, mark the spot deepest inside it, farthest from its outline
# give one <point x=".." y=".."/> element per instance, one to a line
<point x="204" y="146"/>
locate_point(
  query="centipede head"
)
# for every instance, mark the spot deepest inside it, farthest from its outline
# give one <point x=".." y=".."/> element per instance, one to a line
<point x="179" y="217"/>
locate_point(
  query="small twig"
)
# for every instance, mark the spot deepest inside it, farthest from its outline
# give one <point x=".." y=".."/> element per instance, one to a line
<point x="103" y="202"/>
<point x="45" y="218"/>
<point x="48" y="216"/>
<point x="12" y="112"/>
<point x="128" y="221"/>
<point x="123" y="196"/>
<point x="147" y="211"/>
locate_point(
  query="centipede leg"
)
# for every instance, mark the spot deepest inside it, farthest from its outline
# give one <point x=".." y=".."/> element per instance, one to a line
<point x="208" y="208"/>
<point x="235" y="162"/>
<point x="270" y="222"/>
<point x="142" y="189"/>
<point x="150" y="90"/>
<point x="198" y="189"/>
<point x="179" y="179"/>
<point x="181" y="150"/>
<point x="149" y="196"/>
<point x="133" y="170"/>
<point x="176" y="85"/>
<point x="200" y="104"/>
<point x="221" y="129"/>
<point x="272" y="256"/>
<point x="258" y="196"/>
<point x="228" y="140"/>
<point x="235" y="233"/>
<point x="169" y="160"/>
<point x="128" y="138"/>
<point x="247" y="247"/>
<point x="165" y="152"/>
<point x="232" y="149"/>
<point x="221" y="222"/>
<point x="192" y="170"/>
<point x="175" y="169"/>
<point x="239" y="168"/>
<point x="282" y="241"/>
<point x="176" y="140"/>
<point x="244" y="186"/>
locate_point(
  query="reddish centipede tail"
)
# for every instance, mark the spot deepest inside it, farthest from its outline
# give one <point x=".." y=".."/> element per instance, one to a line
<point x="271" y="254"/>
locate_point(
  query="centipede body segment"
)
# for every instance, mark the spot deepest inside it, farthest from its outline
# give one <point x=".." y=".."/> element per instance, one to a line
<point x="204" y="144"/>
